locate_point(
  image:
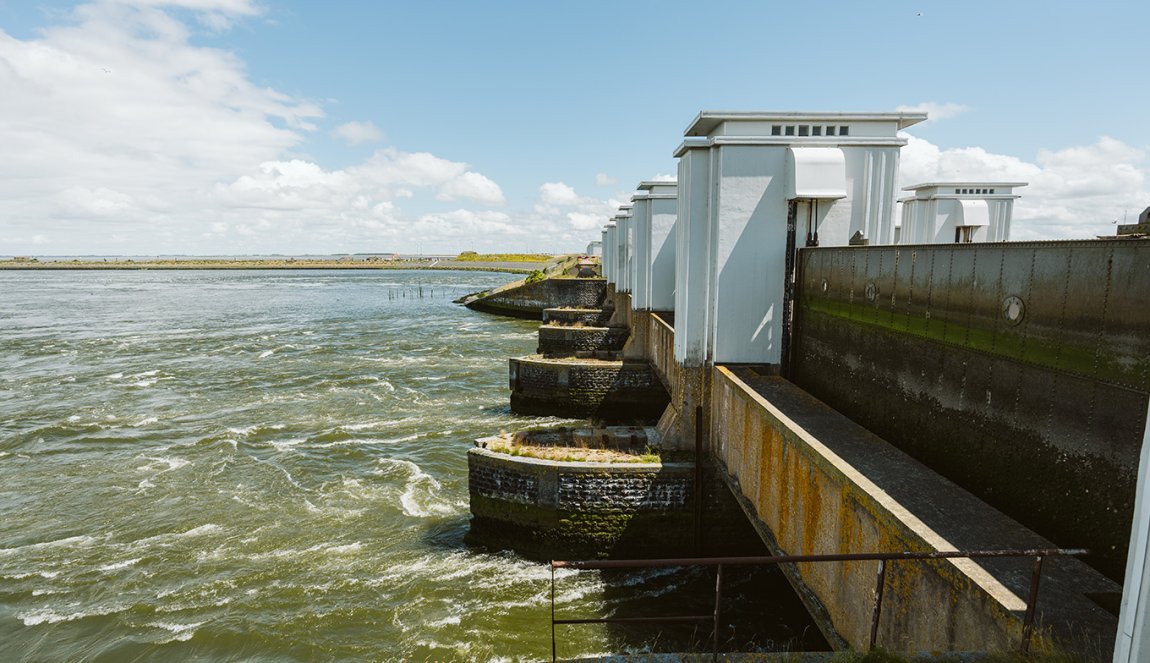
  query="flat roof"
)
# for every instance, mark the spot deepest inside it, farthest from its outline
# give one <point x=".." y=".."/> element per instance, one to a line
<point x="706" y="121"/>
<point x="969" y="183"/>
<point x="647" y="185"/>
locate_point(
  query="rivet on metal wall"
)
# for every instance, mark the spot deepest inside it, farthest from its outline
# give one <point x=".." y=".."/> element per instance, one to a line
<point x="1013" y="309"/>
<point x="871" y="292"/>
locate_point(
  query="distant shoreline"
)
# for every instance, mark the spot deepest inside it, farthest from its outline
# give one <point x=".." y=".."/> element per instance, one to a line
<point x="442" y="265"/>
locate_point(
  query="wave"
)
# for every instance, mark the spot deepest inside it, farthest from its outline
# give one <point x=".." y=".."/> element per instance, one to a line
<point x="116" y="566"/>
<point x="80" y="541"/>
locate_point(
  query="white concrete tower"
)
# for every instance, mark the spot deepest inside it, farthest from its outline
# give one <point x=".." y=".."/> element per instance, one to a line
<point x="946" y="212"/>
<point x="742" y="176"/>
<point x="623" y="254"/>
<point x="595" y="248"/>
<point x="654" y="214"/>
<point x="640" y="250"/>
<point x="610" y="250"/>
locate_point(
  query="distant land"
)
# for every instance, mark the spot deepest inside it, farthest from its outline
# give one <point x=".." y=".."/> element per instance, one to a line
<point x="518" y="263"/>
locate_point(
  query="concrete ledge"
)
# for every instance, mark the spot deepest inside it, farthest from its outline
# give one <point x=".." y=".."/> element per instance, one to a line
<point x="818" y="483"/>
<point x="564" y="341"/>
<point x="578" y="509"/>
<point x="591" y="317"/>
<point x="619" y="391"/>
<point x="529" y="300"/>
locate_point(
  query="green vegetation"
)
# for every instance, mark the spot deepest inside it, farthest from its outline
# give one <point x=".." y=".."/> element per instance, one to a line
<point x="535" y="277"/>
<point x="285" y="263"/>
<point x="472" y="256"/>
<point x="572" y="454"/>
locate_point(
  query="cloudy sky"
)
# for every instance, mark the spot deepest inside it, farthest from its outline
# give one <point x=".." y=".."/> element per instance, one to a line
<point x="277" y="126"/>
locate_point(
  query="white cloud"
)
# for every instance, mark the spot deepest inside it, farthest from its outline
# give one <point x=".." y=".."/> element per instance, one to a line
<point x="472" y="186"/>
<point x="122" y="136"/>
<point x="238" y="7"/>
<point x="560" y="207"/>
<point x="603" y="179"/>
<point x="582" y="221"/>
<point x="663" y="177"/>
<point x="935" y="110"/>
<point x="354" y="133"/>
<point x="558" y="193"/>
<point x="1073" y="192"/>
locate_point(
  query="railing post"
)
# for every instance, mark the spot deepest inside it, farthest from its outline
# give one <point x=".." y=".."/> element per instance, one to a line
<point x="718" y="602"/>
<point x="698" y="515"/>
<point x="877" y="602"/>
<point x="553" y="613"/>
<point x="1031" y="605"/>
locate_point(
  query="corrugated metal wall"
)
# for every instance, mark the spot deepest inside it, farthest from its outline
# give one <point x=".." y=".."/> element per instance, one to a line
<point x="1019" y="370"/>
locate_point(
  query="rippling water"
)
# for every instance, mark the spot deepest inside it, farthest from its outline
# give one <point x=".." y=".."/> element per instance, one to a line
<point x="262" y="466"/>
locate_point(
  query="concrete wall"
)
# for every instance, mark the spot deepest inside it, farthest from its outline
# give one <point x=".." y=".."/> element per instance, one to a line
<point x="983" y="359"/>
<point x="660" y="351"/>
<point x="590" y="317"/>
<point x="528" y="300"/>
<point x="566" y="341"/>
<point x="577" y="509"/>
<point x="572" y="510"/>
<point x="817" y="483"/>
<point x="610" y="390"/>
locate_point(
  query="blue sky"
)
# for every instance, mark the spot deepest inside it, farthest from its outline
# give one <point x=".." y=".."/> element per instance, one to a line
<point x="237" y="126"/>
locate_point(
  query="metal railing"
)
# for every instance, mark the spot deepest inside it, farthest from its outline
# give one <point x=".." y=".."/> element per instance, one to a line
<point x="719" y="562"/>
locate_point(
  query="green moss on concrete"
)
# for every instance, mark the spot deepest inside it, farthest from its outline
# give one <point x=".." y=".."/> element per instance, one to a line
<point x="1086" y="359"/>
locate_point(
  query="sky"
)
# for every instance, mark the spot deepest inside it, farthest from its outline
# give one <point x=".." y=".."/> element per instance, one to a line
<point x="214" y="127"/>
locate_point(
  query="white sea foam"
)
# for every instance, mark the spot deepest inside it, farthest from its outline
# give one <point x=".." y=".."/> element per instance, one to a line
<point x="182" y="632"/>
<point x="452" y="620"/>
<point x="368" y="441"/>
<point x="209" y="528"/>
<point x="266" y="353"/>
<point x="371" y="424"/>
<point x="50" y="616"/>
<point x="115" y="566"/>
<point x="145" y="421"/>
<point x="286" y="445"/>
<point x="48" y="575"/>
<point x="77" y="541"/>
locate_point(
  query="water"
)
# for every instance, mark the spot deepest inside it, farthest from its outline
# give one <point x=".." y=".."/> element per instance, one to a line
<point x="267" y="466"/>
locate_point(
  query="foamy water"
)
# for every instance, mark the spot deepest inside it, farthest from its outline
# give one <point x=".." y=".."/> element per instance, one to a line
<point x="264" y="466"/>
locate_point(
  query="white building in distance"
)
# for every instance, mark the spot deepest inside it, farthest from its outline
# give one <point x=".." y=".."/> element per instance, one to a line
<point x="945" y="212"/>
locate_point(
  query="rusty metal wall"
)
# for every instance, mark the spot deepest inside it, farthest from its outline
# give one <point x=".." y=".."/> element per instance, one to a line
<point x="1018" y="370"/>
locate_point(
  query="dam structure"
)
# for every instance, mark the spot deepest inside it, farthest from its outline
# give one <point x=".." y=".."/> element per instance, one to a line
<point x="927" y="390"/>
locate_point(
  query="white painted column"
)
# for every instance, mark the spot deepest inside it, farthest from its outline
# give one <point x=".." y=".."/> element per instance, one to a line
<point x="664" y="212"/>
<point x="693" y="248"/>
<point x="1133" y="642"/>
<point x="623" y="259"/>
<point x="610" y="251"/>
<point x="641" y="258"/>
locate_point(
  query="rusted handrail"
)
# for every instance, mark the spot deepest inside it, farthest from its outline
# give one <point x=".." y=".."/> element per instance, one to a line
<point x="882" y="558"/>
